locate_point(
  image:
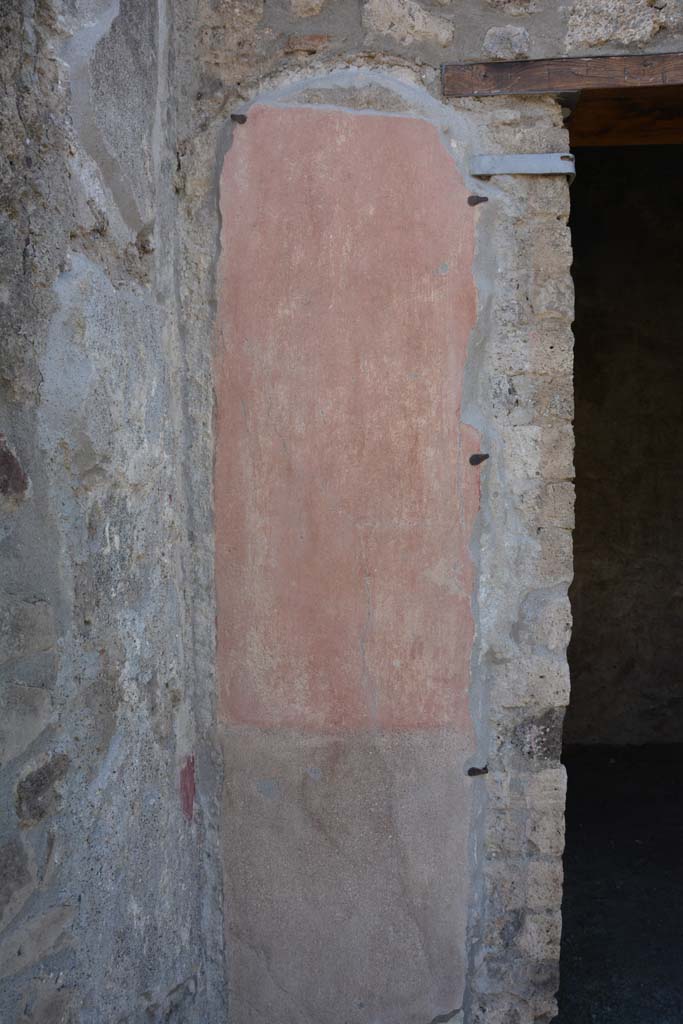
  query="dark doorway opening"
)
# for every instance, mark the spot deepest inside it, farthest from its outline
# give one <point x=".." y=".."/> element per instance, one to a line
<point x="622" y="944"/>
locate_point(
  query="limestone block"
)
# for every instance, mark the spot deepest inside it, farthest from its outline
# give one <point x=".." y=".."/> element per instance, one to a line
<point x="523" y="451"/>
<point x="494" y="1010"/>
<point x="507" y="42"/>
<point x="543" y="791"/>
<point x="552" y="348"/>
<point x="544" y="884"/>
<point x="537" y="348"/>
<point x="537" y="679"/>
<point x="512" y="306"/>
<point x="406" y="22"/>
<point x="546" y="620"/>
<point x="552" y="296"/>
<point x="540" y="935"/>
<point x="557" y="456"/>
<point x="545" y="834"/>
<point x="547" y="504"/>
<point x="532" y="125"/>
<point x="551" y="261"/>
<point x="549" y="195"/>
<point x="554" y="251"/>
<point x="235" y="44"/>
<point x="535" y="451"/>
<point x="522" y="976"/>
<point x="554" y="563"/>
<point x="598" y="22"/>
<point x="505" y="834"/>
<point x="547" y="789"/>
<point x="527" y="398"/>
<point x="518" y="833"/>
<point x="506" y="890"/>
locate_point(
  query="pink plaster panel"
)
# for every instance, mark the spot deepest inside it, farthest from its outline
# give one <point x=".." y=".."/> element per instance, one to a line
<point x="343" y="493"/>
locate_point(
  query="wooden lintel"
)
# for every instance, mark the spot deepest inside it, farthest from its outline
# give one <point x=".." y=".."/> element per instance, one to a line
<point x="562" y="74"/>
<point x="633" y="117"/>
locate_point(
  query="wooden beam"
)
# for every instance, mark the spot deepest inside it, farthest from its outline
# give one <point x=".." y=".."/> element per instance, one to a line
<point x="561" y="74"/>
<point x="637" y="117"/>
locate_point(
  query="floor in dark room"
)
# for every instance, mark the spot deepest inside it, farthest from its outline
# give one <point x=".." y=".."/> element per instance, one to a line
<point x="622" y="945"/>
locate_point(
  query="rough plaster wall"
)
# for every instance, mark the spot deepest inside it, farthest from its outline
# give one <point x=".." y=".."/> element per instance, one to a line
<point x="88" y="182"/>
<point x="105" y="892"/>
<point x="627" y="647"/>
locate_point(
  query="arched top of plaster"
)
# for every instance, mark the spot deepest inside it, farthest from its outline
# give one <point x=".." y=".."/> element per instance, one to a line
<point x="463" y="128"/>
<point x="388" y="93"/>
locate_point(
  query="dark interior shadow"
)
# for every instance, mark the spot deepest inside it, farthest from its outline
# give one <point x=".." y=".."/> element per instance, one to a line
<point x="622" y="944"/>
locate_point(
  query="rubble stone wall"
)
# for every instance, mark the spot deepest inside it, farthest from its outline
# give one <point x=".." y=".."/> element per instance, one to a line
<point x="116" y="119"/>
<point x="109" y="887"/>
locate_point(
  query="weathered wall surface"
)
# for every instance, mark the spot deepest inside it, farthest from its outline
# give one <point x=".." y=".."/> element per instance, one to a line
<point x="344" y="497"/>
<point x="104" y="887"/>
<point x="627" y="648"/>
<point x="345" y="503"/>
<point x="304" y="824"/>
<point x="115" y="126"/>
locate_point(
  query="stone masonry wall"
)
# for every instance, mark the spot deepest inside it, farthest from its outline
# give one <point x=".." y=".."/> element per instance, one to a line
<point x="523" y="392"/>
<point x="108" y="896"/>
<point x="116" y="117"/>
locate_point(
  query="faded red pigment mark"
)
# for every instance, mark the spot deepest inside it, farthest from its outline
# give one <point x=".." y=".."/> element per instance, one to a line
<point x="345" y="500"/>
<point x="187" y="787"/>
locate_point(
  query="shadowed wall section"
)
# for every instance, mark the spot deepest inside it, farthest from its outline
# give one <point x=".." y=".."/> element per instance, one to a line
<point x="345" y="503"/>
<point x="627" y="597"/>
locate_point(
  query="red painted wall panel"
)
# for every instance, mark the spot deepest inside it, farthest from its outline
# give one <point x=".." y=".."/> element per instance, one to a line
<point x="343" y="493"/>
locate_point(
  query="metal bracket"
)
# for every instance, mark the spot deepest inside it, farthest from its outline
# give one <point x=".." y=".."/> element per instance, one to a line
<point x="484" y="165"/>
